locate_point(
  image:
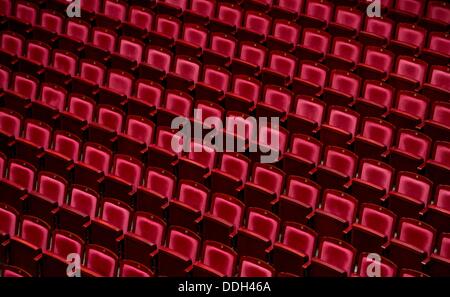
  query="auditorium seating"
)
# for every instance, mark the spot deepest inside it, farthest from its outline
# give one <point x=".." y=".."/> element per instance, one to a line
<point x="89" y="162"/>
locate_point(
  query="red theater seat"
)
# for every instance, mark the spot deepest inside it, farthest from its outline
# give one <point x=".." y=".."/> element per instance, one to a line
<point x="376" y="227"/>
<point x="347" y="21"/>
<point x="177" y="103"/>
<point x="413" y="244"/>
<point x="13" y="271"/>
<point x="52" y="101"/>
<point x="368" y="267"/>
<point x="26" y="12"/>
<point x="409" y="73"/>
<point x="296" y="248"/>
<point x="109" y="122"/>
<point x="377" y="63"/>
<point x="20" y="179"/>
<point x="10" y="128"/>
<point x="287" y="9"/>
<point x="437" y="88"/>
<point x="272" y="143"/>
<point x="129" y="53"/>
<point x="189" y="205"/>
<point x="99" y="262"/>
<point x="437" y="50"/>
<point x="103" y="43"/>
<point x="193" y="40"/>
<point x="51" y="23"/>
<point x="335" y="258"/>
<point x="197" y="164"/>
<point x="23" y="89"/>
<point x="438" y="264"/>
<point x="118" y="86"/>
<point x="223" y="219"/>
<point x="338" y="212"/>
<point x="218" y="260"/>
<point x="167" y="29"/>
<point x="437" y="16"/>
<point x="313" y="45"/>
<point x="251" y="58"/>
<point x="173" y="7"/>
<point x="5" y="75"/>
<point x="245" y="93"/>
<point x="50" y="193"/>
<point x="55" y="261"/>
<point x="95" y="164"/>
<point x="252" y="267"/>
<point x="317" y="14"/>
<point x="338" y="167"/>
<point x="161" y="154"/>
<point x="265" y="187"/>
<point x="228" y="17"/>
<point x="6" y="7"/>
<point x="91" y="6"/>
<point x="340" y="127"/>
<point x="304" y="154"/>
<point x="126" y="175"/>
<point x="148" y="96"/>
<point x="276" y="102"/>
<point x="409" y="39"/>
<point x="83" y="204"/>
<point x="409" y="111"/>
<point x="285" y="35"/>
<point x="114" y="220"/>
<point x="375" y="138"/>
<point x="12" y="45"/>
<point x="343" y="88"/>
<point x="222" y="48"/>
<point x="308" y="115"/>
<point x="200" y="11"/>
<point x="139" y="21"/>
<point x="281" y="68"/>
<point x="301" y="198"/>
<point x="138" y="134"/>
<point x="256" y="26"/>
<point x="37" y="56"/>
<point x="76" y="34"/>
<point x="215" y="83"/>
<point x="36" y="137"/>
<point x="146" y="236"/>
<point x="374" y="181"/>
<point x="376" y="99"/>
<point x="114" y="12"/>
<point x="185" y="73"/>
<point x="34" y="236"/>
<point x="157" y="63"/>
<point x="437" y="126"/>
<point x="411" y="151"/>
<point x="407" y="10"/>
<point x="79" y="114"/>
<point x="130" y="268"/>
<point x="437" y="167"/>
<point x="91" y="76"/>
<point x="259" y="234"/>
<point x="311" y="78"/>
<point x="437" y="214"/>
<point x="181" y="250"/>
<point x="412" y="194"/>
<point x="345" y="54"/>
<point x="9" y="217"/>
<point x="156" y="192"/>
<point x="232" y="173"/>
